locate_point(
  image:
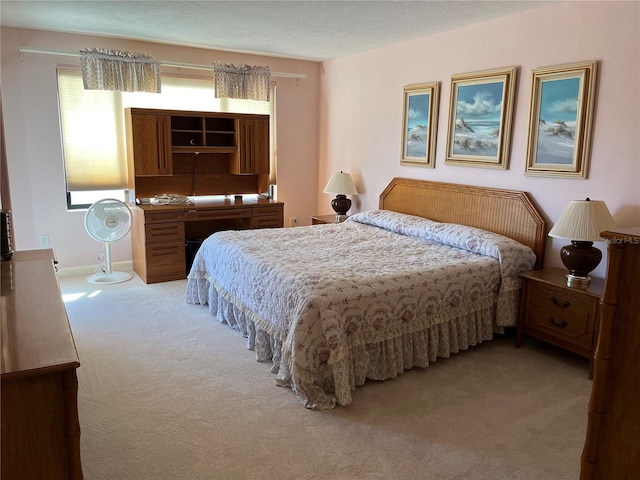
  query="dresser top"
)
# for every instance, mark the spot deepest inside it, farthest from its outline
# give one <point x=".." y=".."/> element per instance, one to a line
<point x="35" y="329"/>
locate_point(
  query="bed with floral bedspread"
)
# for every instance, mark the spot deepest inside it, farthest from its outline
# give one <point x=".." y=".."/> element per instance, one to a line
<point x="334" y="305"/>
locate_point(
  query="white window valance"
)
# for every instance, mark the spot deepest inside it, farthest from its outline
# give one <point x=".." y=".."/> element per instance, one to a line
<point x="241" y="81"/>
<point x="119" y="70"/>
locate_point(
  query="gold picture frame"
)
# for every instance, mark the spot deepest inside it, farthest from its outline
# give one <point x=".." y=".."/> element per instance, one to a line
<point x="480" y="118"/>
<point x="561" y="120"/>
<point x="420" y="124"/>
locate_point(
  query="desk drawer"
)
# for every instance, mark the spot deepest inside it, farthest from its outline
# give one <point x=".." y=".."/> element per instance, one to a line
<point x="198" y="215"/>
<point x="165" y="259"/>
<point x="266" y="222"/>
<point x="177" y="216"/>
<point x="164" y="233"/>
<point x="267" y="211"/>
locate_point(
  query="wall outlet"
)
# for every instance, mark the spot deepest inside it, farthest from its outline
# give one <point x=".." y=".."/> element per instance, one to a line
<point x="43" y="241"/>
<point x="293" y="222"/>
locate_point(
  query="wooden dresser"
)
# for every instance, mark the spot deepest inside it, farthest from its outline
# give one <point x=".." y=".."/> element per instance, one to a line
<point x="40" y="427"/>
<point x="612" y="443"/>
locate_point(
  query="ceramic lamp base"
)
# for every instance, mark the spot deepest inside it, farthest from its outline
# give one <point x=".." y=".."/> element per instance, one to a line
<point x="341" y="204"/>
<point x="580" y="258"/>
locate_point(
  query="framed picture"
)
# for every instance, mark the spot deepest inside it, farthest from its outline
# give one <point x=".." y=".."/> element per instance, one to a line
<point x="480" y="117"/>
<point x="420" y="125"/>
<point x="560" y="120"/>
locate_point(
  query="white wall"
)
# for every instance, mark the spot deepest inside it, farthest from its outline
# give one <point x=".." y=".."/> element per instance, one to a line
<point x="362" y="96"/>
<point x="34" y="154"/>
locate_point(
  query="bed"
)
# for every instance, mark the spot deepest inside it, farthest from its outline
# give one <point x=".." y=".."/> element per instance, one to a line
<point x="434" y="270"/>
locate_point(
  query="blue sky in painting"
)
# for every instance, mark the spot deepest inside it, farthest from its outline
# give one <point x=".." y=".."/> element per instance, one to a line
<point x="418" y="113"/>
<point x="480" y="101"/>
<point x="559" y="100"/>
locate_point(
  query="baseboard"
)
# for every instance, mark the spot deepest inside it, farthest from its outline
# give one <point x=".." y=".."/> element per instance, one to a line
<point x="91" y="269"/>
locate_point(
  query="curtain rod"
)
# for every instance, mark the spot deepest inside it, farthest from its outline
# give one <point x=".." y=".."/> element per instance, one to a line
<point x="167" y="64"/>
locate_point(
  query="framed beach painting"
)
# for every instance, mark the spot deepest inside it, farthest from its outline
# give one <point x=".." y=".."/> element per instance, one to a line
<point x="420" y="124"/>
<point x="560" y="120"/>
<point x="480" y="117"/>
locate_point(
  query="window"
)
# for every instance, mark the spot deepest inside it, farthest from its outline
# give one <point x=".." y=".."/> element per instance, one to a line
<point x="93" y="136"/>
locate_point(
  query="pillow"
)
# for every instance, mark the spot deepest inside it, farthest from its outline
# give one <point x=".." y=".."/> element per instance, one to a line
<point x="409" y="225"/>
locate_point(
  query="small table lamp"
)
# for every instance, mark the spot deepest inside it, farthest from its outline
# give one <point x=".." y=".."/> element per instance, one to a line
<point x="342" y="185"/>
<point x="582" y="222"/>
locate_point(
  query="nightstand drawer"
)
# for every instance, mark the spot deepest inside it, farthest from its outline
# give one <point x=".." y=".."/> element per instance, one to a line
<point x="565" y="325"/>
<point x="558" y="312"/>
<point x="557" y="299"/>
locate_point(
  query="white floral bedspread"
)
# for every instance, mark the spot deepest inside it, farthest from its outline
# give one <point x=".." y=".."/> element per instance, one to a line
<point x="333" y="305"/>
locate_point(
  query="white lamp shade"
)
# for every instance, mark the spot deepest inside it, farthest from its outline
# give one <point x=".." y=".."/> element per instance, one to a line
<point x="341" y="183"/>
<point x="583" y="220"/>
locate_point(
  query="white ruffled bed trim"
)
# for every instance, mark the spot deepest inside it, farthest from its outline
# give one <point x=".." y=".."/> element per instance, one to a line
<point x="349" y="369"/>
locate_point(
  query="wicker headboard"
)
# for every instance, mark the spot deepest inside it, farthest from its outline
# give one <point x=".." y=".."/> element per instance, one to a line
<point x="507" y="212"/>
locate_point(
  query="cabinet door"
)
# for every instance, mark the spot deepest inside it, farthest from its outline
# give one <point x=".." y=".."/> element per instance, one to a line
<point x="253" y="146"/>
<point x="151" y="145"/>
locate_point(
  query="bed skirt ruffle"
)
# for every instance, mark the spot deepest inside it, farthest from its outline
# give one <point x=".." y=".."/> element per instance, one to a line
<point x="335" y="380"/>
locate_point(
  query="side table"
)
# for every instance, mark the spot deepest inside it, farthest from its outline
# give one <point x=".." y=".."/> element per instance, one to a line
<point x="324" y="219"/>
<point x="561" y="315"/>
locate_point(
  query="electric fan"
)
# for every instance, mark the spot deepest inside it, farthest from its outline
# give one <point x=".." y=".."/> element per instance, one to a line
<point x="108" y="221"/>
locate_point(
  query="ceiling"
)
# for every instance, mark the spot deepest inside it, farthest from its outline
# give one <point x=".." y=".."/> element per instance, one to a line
<point x="311" y="30"/>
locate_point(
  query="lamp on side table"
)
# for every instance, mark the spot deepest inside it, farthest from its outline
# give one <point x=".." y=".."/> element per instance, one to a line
<point x="582" y="222"/>
<point x="342" y="185"/>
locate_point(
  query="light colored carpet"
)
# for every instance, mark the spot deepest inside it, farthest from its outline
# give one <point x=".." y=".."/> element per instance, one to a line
<point x="166" y="392"/>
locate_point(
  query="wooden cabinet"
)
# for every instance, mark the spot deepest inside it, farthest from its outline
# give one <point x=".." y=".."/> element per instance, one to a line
<point x="158" y="240"/>
<point x="253" y="146"/>
<point x="40" y="427"/>
<point x="164" y="242"/>
<point x="149" y="145"/>
<point x="612" y="442"/>
<point x="556" y="313"/>
<point x="196" y="153"/>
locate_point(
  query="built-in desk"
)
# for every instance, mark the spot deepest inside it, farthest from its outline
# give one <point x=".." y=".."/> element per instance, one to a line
<point x="162" y="235"/>
<point x="39" y="390"/>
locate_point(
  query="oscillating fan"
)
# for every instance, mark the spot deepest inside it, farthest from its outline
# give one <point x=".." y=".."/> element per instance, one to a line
<point x="108" y="221"/>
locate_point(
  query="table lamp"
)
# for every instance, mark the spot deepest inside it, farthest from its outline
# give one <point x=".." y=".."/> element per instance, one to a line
<point x="342" y="185"/>
<point x="582" y="222"/>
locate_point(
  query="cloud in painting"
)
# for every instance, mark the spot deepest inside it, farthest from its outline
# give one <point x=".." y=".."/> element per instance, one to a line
<point x="482" y="104"/>
<point x="413" y="114"/>
<point x="564" y="106"/>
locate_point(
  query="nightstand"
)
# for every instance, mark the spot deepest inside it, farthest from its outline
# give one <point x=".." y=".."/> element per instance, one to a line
<point x="556" y="313"/>
<point x="324" y="219"/>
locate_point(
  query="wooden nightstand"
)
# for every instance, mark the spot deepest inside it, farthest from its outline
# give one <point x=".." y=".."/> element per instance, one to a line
<point x="558" y="314"/>
<point x="323" y="219"/>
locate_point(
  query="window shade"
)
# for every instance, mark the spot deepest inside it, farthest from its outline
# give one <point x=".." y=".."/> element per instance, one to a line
<point x="92" y="135"/>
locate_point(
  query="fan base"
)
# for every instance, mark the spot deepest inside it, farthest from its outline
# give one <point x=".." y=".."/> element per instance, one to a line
<point x="109" y="278"/>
